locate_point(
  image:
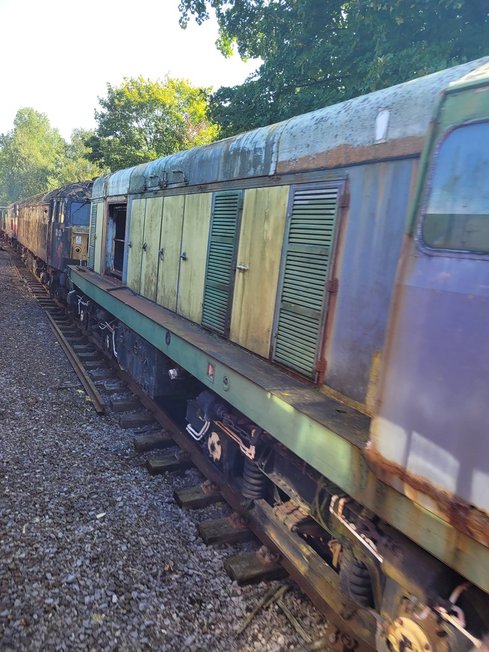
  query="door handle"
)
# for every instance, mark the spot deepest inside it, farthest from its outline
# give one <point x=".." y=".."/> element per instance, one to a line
<point x="145" y="246"/>
<point x="161" y="254"/>
<point x="183" y="255"/>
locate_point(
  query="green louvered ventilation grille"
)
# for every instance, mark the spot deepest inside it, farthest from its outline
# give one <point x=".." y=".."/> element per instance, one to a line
<point x="91" y="242"/>
<point x="310" y="238"/>
<point x="219" y="278"/>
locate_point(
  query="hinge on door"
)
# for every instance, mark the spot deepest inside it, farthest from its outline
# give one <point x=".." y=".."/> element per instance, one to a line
<point x="321" y="371"/>
<point x="321" y="366"/>
<point x="332" y="285"/>
<point x="344" y="200"/>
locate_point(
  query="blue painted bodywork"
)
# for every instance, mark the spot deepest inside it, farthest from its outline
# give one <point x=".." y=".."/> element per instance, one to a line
<point x="367" y="258"/>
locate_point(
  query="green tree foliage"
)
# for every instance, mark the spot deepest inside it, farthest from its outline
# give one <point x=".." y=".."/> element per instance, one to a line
<point x="141" y="120"/>
<point x="76" y="165"/>
<point x="317" y="52"/>
<point x="29" y="156"/>
<point x="34" y="158"/>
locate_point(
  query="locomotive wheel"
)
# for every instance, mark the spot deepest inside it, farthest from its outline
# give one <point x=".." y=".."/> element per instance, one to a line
<point x="405" y="634"/>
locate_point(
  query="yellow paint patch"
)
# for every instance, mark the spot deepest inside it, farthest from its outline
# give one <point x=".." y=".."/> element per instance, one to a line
<point x="260" y="249"/>
<point x="138" y="209"/>
<point x="170" y="248"/>
<point x="151" y="243"/>
<point x="195" y="236"/>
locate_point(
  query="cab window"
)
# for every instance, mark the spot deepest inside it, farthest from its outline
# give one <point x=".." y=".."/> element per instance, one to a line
<point x="457" y="211"/>
<point x="80" y="213"/>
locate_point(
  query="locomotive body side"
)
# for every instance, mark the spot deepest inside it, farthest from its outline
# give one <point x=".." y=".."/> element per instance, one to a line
<point x="33" y="225"/>
<point x="329" y="158"/>
<point x="53" y="231"/>
<point x="253" y="278"/>
<point x="11" y="223"/>
<point x="3" y="220"/>
<point x="430" y="432"/>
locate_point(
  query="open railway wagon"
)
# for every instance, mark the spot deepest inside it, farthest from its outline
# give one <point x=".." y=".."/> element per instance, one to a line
<point x="328" y="342"/>
<point x="52" y="231"/>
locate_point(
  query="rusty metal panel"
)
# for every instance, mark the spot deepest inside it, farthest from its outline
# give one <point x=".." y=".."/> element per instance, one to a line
<point x="33" y="225"/>
<point x="386" y="123"/>
<point x="147" y="176"/>
<point x="170" y="248"/>
<point x="429" y="438"/>
<point x="366" y="263"/>
<point x="253" y="154"/>
<point x="434" y="408"/>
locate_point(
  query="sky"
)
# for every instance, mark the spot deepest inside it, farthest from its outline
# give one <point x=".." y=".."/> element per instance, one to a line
<point x="59" y="55"/>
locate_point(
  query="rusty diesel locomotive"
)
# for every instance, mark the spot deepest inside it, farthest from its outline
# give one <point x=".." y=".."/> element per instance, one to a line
<point x="313" y="299"/>
<point x="51" y="231"/>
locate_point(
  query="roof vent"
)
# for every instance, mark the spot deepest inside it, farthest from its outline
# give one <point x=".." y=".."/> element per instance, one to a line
<point x="177" y="177"/>
<point x="156" y="181"/>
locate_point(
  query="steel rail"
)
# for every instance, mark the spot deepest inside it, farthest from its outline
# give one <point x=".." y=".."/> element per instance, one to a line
<point x="86" y="381"/>
<point x="88" y="385"/>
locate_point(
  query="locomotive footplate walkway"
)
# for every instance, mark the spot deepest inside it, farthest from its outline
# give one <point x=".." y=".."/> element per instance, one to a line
<point x="350" y="424"/>
<point x="325" y="433"/>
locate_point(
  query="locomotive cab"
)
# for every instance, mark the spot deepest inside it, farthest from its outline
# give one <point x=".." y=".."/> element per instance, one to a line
<point x="429" y="438"/>
<point x="79" y="213"/>
<point x="69" y="231"/>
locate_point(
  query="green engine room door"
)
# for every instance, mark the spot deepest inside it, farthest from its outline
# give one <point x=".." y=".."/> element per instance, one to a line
<point x="306" y="259"/>
<point x="259" y="261"/>
<point x="195" y="233"/>
<point x="169" y="251"/>
<point x="137" y="216"/>
<point x="221" y="260"/>
<point x="151" y="247"/>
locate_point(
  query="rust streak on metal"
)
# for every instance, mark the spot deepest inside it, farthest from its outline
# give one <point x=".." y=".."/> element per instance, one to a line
<point x="464" y="517"/>
<point x="348" y="155"/>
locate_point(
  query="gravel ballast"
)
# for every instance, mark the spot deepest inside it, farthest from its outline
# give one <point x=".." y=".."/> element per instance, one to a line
<point x="94" y="553"/>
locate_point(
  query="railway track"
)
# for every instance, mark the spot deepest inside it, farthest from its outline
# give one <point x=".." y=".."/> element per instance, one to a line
<point x="282" y="553"/>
